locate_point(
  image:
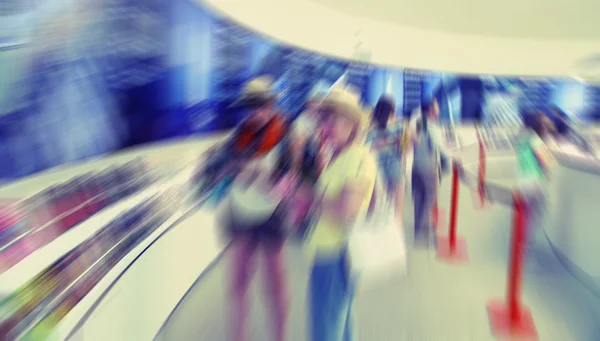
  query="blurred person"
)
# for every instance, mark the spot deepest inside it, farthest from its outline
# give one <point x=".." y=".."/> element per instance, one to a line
<point x="256" y="135"/>
<point x="253" y="215"/>
<point x="309" y="160"/>
<point x="430" y="160"/>
<point x="567" y="129"/>
<point x="306" y="123"/>
<point x="306" y="130"/>
<point x="534" y="160"/>
<point x="345" y="188"/>
<point x="386" y="140"/>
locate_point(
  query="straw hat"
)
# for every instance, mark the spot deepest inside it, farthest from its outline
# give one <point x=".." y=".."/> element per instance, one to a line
<point x="257" y="91"/>
<point x="346" y="101"/>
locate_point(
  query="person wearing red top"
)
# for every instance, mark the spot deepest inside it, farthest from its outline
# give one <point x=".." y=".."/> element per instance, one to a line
<point x="254" y="217"/>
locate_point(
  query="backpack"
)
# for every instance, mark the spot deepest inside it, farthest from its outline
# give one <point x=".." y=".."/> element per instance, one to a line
<point x="246" y="143"/>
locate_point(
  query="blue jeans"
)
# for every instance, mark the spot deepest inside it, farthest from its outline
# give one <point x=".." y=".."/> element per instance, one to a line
<point x="331" y="299"/>
<point x="424" y="183"/>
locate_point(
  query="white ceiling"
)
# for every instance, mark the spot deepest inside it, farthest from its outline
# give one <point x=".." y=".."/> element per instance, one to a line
<point x="536" y="19"/>
<point x="501" y="37"/>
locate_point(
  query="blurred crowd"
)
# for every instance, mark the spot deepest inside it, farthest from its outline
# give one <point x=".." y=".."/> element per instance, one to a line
<point x="310" y="181"/>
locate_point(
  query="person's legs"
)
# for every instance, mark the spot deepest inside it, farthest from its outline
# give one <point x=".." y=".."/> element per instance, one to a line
<point x="242" y="265"/>
<point x="429" y="200"/>
<point x="391" y="187"/>
<point x="400" y="201"/>
<point x="393" y="175"/>
<point x="349" y="325"/>
<point x="349" y="330"/>
<point x="329" y="302"/>
<point x="276" y="286"/>
<point x="302" y="205"/>
<point x="425" y="195"/>
<point x="535" y="205"/>
<point x="418" y="192"/>
<point x="401" y="190"/>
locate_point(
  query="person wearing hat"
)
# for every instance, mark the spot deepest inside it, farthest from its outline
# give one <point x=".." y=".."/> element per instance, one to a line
<point x="253" y="216"/>
<point x="344" y="189"/>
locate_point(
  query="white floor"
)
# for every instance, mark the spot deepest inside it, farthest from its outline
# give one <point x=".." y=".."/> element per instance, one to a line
<point x="435" y="302"/>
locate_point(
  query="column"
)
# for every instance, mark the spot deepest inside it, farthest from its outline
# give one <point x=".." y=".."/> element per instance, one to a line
<point x="471" y="90"/>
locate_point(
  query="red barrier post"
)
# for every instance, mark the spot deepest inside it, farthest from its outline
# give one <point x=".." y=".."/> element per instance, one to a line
<point x="510" y="318"/>
<point x="452" y="248"/>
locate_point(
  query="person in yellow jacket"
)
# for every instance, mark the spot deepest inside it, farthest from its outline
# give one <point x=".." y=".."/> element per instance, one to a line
<point x="344" y="189"/>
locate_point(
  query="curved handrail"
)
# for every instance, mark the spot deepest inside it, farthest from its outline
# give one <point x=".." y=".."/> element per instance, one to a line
<point x="55" y="302"/>
<point x="66" y="214"/>
<point x="76" y="209"/>
<point x="197" y="204"/>
<point x="162" y="188"/>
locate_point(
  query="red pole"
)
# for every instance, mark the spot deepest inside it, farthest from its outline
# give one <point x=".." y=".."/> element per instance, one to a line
<point x="509" y="317"/>
<point x="454" y="208"/>
<point x="482" y="170"/>
<point x="451" y="248"/>
<point x="516" y="263"/>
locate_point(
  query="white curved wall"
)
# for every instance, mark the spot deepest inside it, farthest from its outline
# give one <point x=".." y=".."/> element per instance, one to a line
<point x="315" y="27"/>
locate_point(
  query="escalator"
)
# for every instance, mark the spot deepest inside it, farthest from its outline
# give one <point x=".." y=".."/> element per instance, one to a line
<point x="33" y="311"/>
<point x="37" y="221"/>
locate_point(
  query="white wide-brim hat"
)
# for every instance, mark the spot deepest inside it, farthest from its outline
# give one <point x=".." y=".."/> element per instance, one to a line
<point x="257" y="91"/>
